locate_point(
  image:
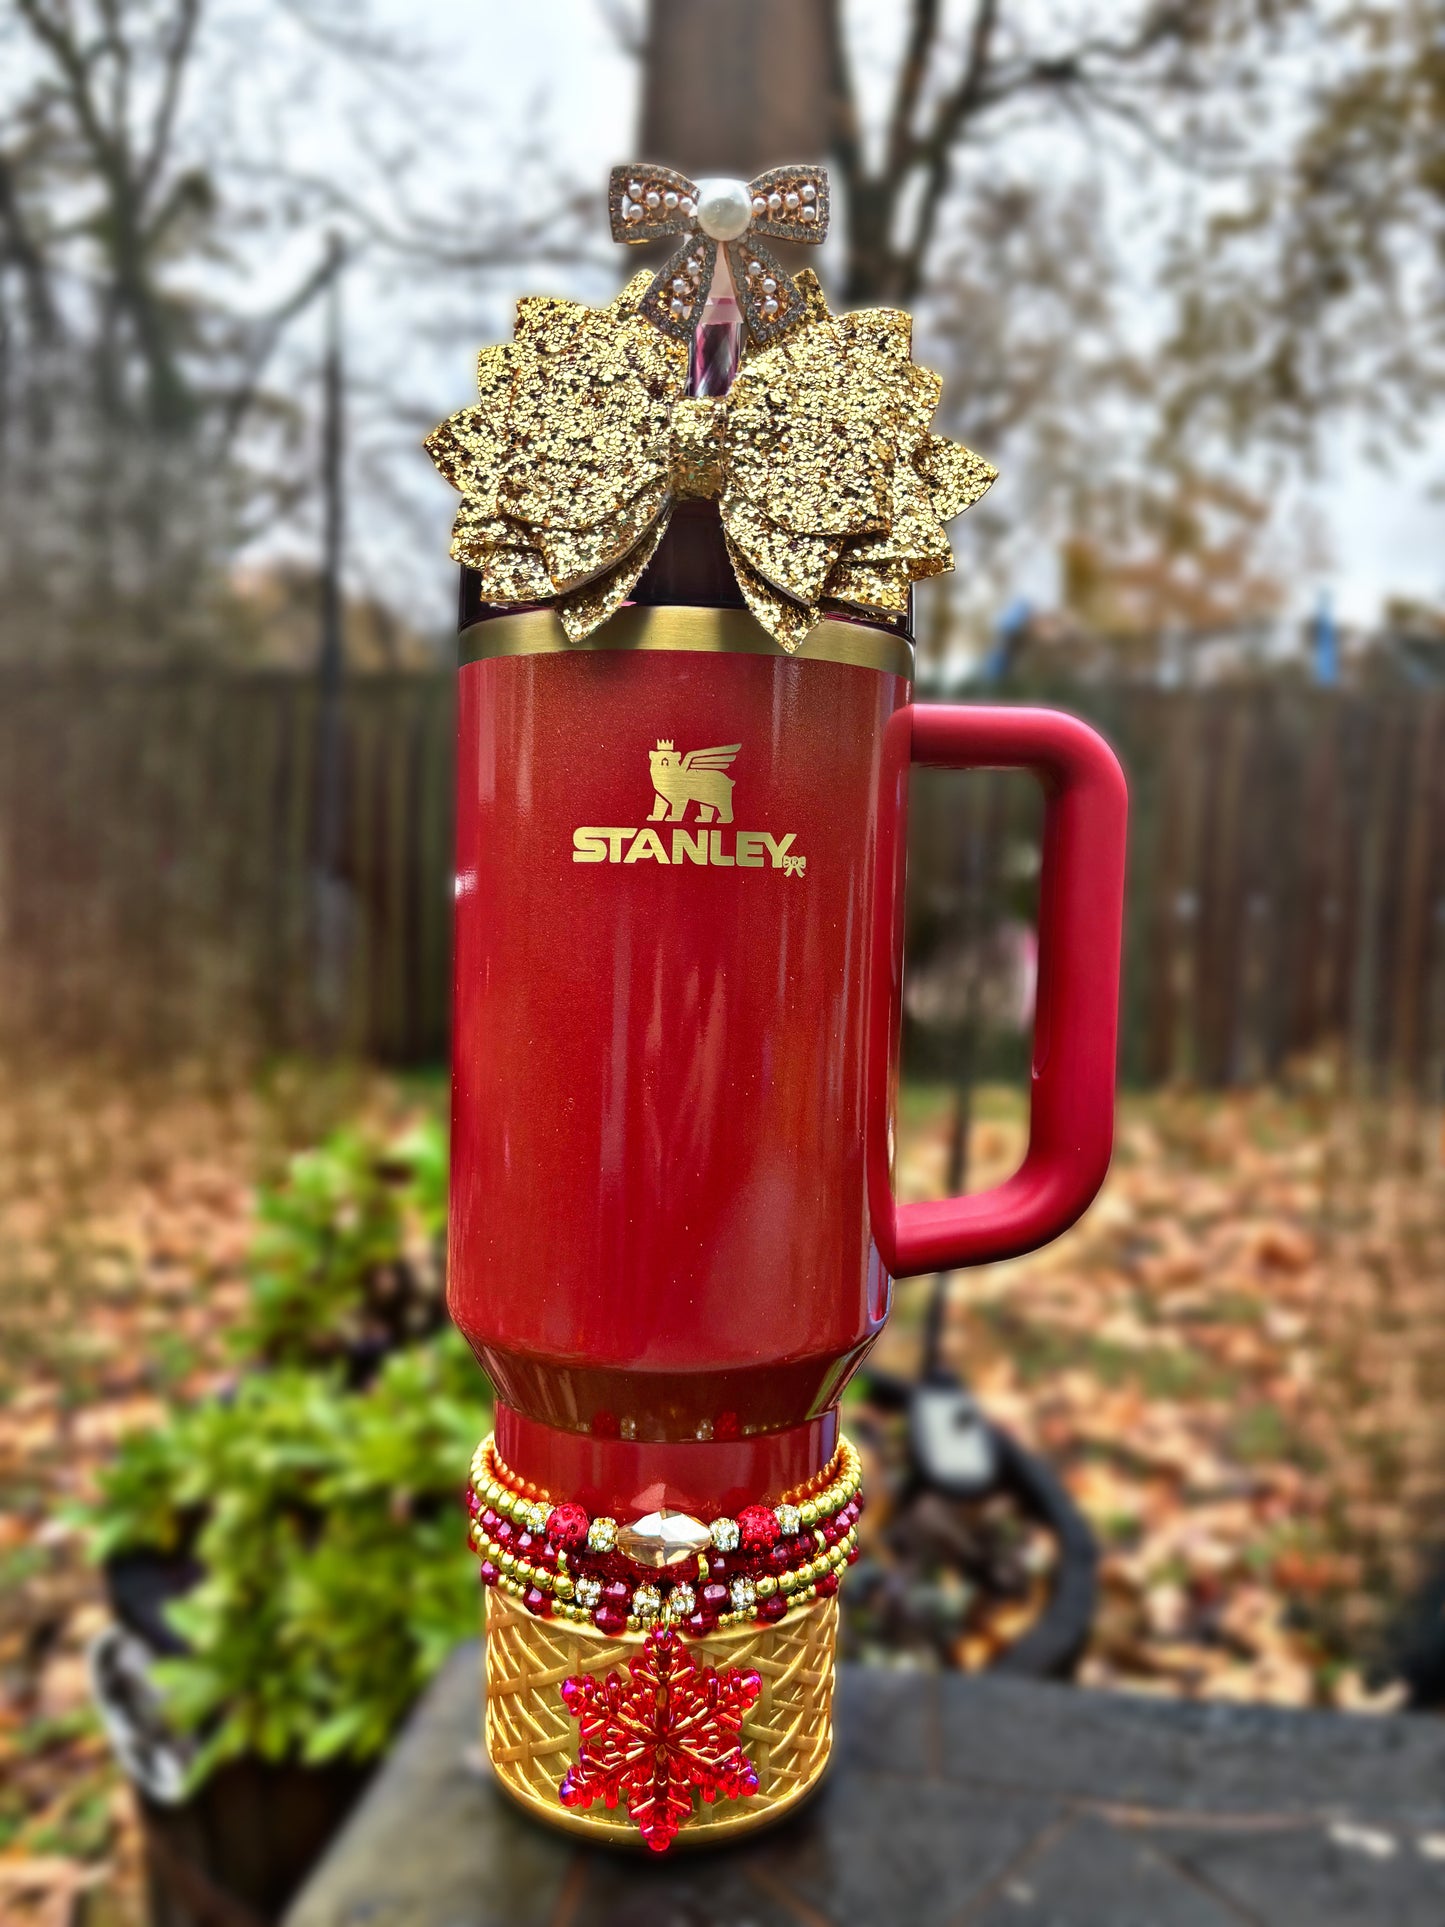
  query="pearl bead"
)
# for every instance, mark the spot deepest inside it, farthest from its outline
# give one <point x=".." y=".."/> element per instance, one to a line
<point x="770" y="308"/>
<point x="808" y="214"/>
<point x="669" y="199"/>
<point x="810" y="193"/>
<point x="775" y="202"/>
<point x="790" y="200"/>
<point x="770" y="286"/>
<point x="724" y="208"/>
<point x="679" y="284"/>
<point x="634" y="188"/>
<point x="633" y="212"/>
<point x="687" y="204"/>
<point x="654" y="199"/>
<point x="760" y="205"/>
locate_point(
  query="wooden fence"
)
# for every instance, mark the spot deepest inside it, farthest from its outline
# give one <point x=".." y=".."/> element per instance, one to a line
<point x="159" y="890"/>
<point x="159" y="884"/>
<point x="1286" y="891"/>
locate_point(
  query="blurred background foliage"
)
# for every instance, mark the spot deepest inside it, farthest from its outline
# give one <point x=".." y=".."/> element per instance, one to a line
<point x="329" y="1580"/>
<point x="301" y="1520"/>
<point x="1165" y="253"/>
<point x="349" y="1253"/>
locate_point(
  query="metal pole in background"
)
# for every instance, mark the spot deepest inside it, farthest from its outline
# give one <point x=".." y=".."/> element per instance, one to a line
<point x="332" y="898"/>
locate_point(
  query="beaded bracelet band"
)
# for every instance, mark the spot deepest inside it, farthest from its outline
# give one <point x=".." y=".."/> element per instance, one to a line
<point x="559" y="1562"/>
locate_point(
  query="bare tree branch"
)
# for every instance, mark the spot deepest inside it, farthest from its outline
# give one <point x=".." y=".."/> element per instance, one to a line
<point x="135" y="297"/>
<point x="917" y="57"/>
<point x="1113" y="74"/>
<point x="936" y="151"/>
<point x="176" y="59"/>
<point x="265" y="336"/>
<point x="75" y="69"/>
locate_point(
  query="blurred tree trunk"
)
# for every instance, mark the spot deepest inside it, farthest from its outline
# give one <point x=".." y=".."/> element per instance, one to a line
<point x="734" y="86"/>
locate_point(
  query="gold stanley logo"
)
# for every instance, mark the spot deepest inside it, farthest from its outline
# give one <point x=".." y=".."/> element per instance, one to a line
<point x="699" y="777"/>
<point x="694" y="778"/>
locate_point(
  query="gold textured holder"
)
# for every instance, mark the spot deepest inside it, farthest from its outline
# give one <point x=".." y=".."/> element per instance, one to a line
<point x="787" y="1732"/>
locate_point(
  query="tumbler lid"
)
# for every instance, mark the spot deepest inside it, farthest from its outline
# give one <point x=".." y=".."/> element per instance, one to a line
<point x="813" y="488"/>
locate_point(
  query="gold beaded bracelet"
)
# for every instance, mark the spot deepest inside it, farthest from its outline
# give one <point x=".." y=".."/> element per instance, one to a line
<point x="539" y="1551"/>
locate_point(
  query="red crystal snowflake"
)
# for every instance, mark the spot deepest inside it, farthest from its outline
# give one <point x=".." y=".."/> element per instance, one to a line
<point x="672" y="1728"/>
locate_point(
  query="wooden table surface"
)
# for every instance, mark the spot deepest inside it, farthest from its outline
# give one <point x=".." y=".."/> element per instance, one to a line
<point x="951" y="1800"/>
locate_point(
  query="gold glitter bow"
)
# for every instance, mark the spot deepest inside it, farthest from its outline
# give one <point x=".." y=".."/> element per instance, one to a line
<point x="647" y="203"/>
<point x="831" y="487"/>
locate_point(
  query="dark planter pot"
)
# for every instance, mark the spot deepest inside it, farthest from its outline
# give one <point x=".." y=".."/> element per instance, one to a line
<point x="1415" y="1648"/>
<point x="237" y="1851"/>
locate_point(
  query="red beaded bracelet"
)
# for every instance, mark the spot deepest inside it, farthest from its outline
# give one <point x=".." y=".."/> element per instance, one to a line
<point x="666" y="1568"/>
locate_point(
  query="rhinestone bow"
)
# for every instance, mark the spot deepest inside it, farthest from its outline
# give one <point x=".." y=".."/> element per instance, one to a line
<point x="649" y="203"/>
<point x="832" y="488"/>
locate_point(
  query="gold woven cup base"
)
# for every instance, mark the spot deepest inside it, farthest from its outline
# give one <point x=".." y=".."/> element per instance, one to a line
<point x="532" y="1739"/>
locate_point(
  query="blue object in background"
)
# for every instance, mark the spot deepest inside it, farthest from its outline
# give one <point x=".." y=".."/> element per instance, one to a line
<point x="1325" y="639"/>
<point x="1008" y="632"/>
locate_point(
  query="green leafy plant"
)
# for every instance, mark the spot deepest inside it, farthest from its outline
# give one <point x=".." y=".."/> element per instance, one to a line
<point x="319" y="1500"/>
<point x="329" y="1526"/>
<point x="346" y="1262"/>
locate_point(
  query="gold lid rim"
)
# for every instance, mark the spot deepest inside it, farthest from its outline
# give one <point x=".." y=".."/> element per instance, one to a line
<point x="676" y="627"/>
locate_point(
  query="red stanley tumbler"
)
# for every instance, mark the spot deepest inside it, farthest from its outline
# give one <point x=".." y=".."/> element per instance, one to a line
<point x="679" y="890"/>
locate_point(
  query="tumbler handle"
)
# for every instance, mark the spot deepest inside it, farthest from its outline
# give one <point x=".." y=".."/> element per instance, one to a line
<point x="1081" y="906"/>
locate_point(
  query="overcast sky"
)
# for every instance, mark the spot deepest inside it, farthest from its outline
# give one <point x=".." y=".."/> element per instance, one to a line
<point x="516" y="71"/>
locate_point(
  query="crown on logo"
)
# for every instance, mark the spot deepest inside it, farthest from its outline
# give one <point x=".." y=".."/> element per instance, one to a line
<point x="665" y="742"/>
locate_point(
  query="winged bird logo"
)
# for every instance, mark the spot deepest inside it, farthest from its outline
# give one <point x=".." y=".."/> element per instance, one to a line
<point x="696" y="778"/>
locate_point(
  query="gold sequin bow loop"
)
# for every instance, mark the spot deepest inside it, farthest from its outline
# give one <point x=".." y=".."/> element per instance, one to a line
<point x="648" y="203"/>
<point x="831" y="486"/>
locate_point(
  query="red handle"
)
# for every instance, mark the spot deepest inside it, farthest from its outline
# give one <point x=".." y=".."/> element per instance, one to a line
<point x="1081" y="908"/>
